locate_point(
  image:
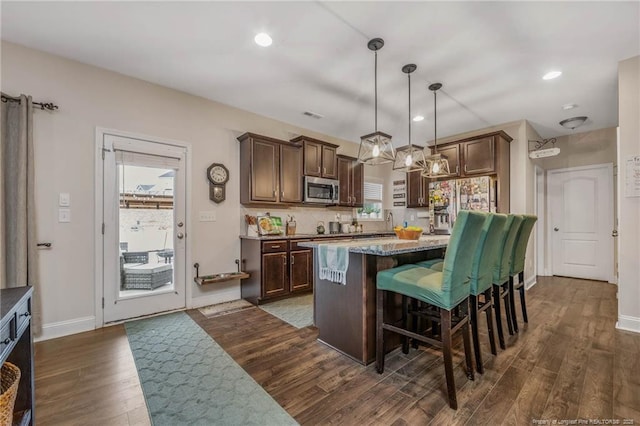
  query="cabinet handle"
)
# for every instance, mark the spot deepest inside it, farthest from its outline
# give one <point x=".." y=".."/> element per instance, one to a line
<point x="324" y="170"/>
<point x="284" y="258"/>
<point x="6" y="341"/>
<point x="282" y="194"/>
<point x="293" y="259"/>
<point x="274" y="192"/>
<point x="318" y="169"/>
<point x="465" y="168"/>
<point x="275" y="247"/>
<point x="457" y="169"/>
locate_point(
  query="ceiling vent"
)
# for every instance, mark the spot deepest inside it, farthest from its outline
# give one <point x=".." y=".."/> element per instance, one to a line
<point x="313" y="114"/>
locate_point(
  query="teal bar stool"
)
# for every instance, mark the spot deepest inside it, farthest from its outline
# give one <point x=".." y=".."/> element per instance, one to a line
<point x="482" y="280"/>
<point x="517" y="268"/>
<point x="501" y="270"/>
<point x="443" y="293"/>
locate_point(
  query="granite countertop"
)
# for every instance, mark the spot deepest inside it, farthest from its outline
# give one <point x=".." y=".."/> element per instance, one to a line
<point x="341" y="235"/>
<point x="389" y="246"/>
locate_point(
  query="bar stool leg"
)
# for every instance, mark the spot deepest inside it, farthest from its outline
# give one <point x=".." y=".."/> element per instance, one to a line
<point x="489" y="313"/>
<point x="496" y="306"/>
<point x="405" y="324"/>
<point x="512" y="304"/>
<point x="467" y="346"/>
<point x="445" y="329"/>
<point x="507" y="306"/>
<point x="522" y="300"/>
<point x="380" y="299"/>
<point x="473" y="301"/>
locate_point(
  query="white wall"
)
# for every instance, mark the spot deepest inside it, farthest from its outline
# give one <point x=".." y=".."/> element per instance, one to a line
<point x="64" y="140"/>
<point x="628" y="207"/>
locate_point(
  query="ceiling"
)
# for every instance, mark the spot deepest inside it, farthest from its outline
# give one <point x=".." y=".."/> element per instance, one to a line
<point x="490" y="57"/>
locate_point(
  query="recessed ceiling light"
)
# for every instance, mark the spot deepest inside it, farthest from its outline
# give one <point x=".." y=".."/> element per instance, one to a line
<point x="263" y="39"/>
<point x="418" y="118"/>
<point x="551" y="75"/>
<point x="569" y="106"/>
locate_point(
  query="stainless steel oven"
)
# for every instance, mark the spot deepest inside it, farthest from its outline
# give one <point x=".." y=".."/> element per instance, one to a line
<point x="319" y="190"/>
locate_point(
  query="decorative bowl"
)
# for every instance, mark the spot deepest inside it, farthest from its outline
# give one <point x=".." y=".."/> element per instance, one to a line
<point x="408" y="234"/>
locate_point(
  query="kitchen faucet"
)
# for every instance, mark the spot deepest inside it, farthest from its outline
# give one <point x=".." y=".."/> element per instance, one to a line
<point x="390" y="219"/>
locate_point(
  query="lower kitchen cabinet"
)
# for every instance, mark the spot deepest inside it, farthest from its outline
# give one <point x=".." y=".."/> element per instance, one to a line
<point x="277" y="268"/>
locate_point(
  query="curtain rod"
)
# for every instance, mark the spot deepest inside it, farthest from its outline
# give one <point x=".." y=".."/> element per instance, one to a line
<point x="49" y="106"/>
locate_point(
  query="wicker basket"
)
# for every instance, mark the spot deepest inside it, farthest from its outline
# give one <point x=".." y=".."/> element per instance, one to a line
<point x="10" y="378"/>
<point x="408" y="234"/>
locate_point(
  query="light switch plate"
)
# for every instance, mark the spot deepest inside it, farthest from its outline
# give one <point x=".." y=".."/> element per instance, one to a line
<point x="64" y="215"/>
<point x="64" y="199"/>
<point x="207" y="216"/>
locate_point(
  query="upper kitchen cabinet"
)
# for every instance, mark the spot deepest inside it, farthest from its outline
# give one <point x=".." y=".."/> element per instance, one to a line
<point x="417" y="188"/>
<point x="271" y="170"/>
<point x="320" y="158"/>
<point x="351" y="177"/>
<point x="486" y="154"/>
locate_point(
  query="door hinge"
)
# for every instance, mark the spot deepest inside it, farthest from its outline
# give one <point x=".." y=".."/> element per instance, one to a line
<point x="103" y="303"/>
<point x="102" y="228"/>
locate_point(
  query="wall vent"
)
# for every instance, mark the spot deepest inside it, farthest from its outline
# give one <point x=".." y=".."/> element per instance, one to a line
<point x="313" y="114"/>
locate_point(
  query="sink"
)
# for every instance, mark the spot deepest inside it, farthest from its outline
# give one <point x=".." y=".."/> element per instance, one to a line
<point x="223" y="276"/>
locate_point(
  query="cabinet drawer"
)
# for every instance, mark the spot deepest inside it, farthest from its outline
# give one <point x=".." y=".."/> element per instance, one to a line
<point x="23" y="314"/>
<point x="274" y="246"/>
<point x="6" y="336"/>
<point x="293" y="245"/>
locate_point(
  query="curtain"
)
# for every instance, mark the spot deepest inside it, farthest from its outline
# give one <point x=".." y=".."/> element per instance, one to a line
<point x="18" y="260"/>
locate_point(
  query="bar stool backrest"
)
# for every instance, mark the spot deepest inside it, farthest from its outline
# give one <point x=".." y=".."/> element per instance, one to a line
<point x="456" y="271"/>
<point x="487" y="252"/>
<point x="503" y="259"/>
<point x="520" y="247"/>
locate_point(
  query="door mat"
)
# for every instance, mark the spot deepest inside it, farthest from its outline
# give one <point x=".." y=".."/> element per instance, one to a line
<point x="187" y="378"/>
<point x="297" y="311"/>
<point x="224" y="308"/>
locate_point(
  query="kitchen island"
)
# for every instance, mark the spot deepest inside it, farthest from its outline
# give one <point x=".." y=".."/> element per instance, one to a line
<point x="346" y="314"/>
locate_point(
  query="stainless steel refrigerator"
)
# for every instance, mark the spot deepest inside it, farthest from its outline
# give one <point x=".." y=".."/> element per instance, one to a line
<point x="448" y="197"/>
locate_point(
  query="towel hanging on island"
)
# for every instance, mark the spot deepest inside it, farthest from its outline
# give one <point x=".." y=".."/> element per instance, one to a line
<point x="333" y="262"/>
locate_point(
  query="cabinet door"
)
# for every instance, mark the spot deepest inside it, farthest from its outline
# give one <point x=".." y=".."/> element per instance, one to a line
<point x="414" y="189"/>
<point x="274" y="274"/>
<point x="290" y="174"/>
<point x="344" y="177"/>
<point x="312" y="159"/>
<point x="479" y="156"/>
<point x="452" y="152"/>
<point x="357" y="184"/>
<point x="329" y="162"/>
<point x="301" y="270"/>
<point x="264" y="171"/>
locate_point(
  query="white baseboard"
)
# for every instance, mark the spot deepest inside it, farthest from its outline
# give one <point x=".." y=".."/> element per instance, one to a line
<point x="530" y="282"/>
<point x="65" y="328"/>
<point x="628" y="323"/>
<point x="218" y="297"/>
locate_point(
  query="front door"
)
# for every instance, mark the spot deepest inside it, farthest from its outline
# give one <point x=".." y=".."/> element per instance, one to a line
<point x="581" y="220"/>
<point x="144" y="227"/>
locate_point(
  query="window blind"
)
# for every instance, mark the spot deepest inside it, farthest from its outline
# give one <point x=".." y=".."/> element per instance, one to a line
<point x="373" y="191"/>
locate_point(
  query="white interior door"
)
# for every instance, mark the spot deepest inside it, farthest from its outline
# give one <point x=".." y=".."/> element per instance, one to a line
<point x="581" y="221"/>
<point x="144" y="205"/>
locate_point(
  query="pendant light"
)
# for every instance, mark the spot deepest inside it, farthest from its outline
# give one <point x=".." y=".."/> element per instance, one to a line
<point x="436" y="164"/>
<point x="376" y="148"/>
<point x="409" y="157"/>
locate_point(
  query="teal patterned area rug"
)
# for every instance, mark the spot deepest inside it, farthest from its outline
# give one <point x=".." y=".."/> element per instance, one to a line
<point x="188" y="379"/>
<point x="297" y="311"/>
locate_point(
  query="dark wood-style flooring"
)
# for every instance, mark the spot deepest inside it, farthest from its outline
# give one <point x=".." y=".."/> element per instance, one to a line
<point x="569" y="362"/>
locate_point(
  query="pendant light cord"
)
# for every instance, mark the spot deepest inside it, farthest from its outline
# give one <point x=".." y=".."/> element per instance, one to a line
<point x="375" y="87"/>
<point x="435" y="123"/>
<point x="410" y="147"/>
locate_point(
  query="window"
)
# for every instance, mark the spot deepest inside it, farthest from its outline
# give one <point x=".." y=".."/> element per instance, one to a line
<point x="372" y="208"/>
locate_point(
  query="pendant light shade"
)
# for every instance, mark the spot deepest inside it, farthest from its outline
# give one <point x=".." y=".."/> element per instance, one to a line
<point x="409" y="157"/>
<point x="436" y="164"/>
<point x="376" y="147"/>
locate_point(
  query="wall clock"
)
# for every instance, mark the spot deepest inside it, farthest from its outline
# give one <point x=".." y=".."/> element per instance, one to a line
<point x="218" y="176"/>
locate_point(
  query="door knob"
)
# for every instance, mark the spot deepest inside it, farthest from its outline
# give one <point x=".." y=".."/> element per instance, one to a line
<point x="180" y="235"/>
<point x="556" y="229"/>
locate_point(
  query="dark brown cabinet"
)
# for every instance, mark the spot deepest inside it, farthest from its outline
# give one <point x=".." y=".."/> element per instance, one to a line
<point x="479" y="156"/>
<point x="351" y="177"/>
<point x="319" y="157"/>
<point x="452" y="152"/>
<point x="417" y="188"/>
<point x="277" y="268"/>
<point x="271" y="170"/>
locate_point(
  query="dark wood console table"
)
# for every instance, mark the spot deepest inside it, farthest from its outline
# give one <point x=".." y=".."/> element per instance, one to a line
<point x="16" y="346"/>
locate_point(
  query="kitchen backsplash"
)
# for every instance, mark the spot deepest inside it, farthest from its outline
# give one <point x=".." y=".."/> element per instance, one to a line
<point x="307" y="218"/>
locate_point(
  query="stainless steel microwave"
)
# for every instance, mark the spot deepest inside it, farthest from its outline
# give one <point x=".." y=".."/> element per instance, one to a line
<point x="322" y="191"/>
